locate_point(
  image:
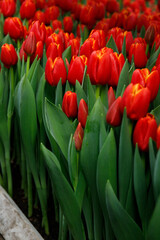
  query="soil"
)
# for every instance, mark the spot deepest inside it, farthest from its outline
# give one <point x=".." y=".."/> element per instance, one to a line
<point x="36" y="219"/>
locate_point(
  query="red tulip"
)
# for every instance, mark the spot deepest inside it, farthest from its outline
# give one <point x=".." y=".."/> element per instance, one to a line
<point x="8" y="55"/>
<point x="8" y="8"/>
<point x="138" y="51"/>
<point x="158" y="137"/>
<point x="69" y="104"/>
<point x="38" y="52"/>
<point x="14" y="27"/>
<point x="27" y="9"/>
<point x="120" y="38"/>
<point x="68" y="24"/>
<point x="56" y="24"/>
<point x="147" y="79"/>
<point x="88" y="15"/>
<point x="55" y="70"/>
<point x="99" y="36"/>
<point x="51" y="13"/>
<point x="75" y="45"/>
<point x="30" y="44"/>
<point x="88" y="47"/>
<point x="112" y="6"/>
<point x="111" y="97"/>
<point x="39" y="30"/>
<point x="76" y="69"/>
<point x="39" y="16"/>
<point x="136" y="99"/>
<point x="78" y="137"/>
<point x="114" y="114"/>
<point x="150" y="34"/>
<point x="145" y="128"/>
<point x="82" y="112"/>
<point x="53" y="51"/>
<point x="56" y="39"/>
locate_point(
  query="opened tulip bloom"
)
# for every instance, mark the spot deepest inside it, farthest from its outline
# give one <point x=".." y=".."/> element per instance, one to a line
<point x="55" y="70"/>
<point x="145" y="128"/>
<point x="136" y="99"/>
<point x="8" y="55"/>
<point x="69" y="104"/>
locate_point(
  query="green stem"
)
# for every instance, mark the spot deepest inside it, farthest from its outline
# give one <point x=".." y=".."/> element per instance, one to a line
<point x="30" y="197"/>
<point x="11" y="100"/>
<point x="98" y="89"/>
<point x="147" y="49"/>
<point x="28" y="65"/>
<point x="8" y="167"/>
<point x="62" y="227"/>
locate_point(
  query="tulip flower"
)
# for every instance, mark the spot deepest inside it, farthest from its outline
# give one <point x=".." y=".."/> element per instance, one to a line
<point x="112" y="6"/>
<point x="38" y="52"/>
<point x="145" y="128"/>
<point x="54" y="50"/>
<point x="56" y="39"/>
<point x="114" y="114"/>
<point x="69" y="104"/>
<point x="99" y="66"/>
<point x="68" y="24"/>
<point x="99" y="36"/>
<point x="120" y="38"/>
<point x="111" y="97"/>
<point x="56" y="24"/>
<point x="51" y="13"/>
<point x="39" y="30"/>
<point x="88" y="47"/>
<point x="82" y="112"/>
<point x="30" y="44"/>
<point x="78" y="137"/>
<point x="136" y="99"/>
<point x="14" y="27"/>
<point x="158" y="137"/>
<point x="8" y="8"/>
<point x="8" y="55"/>
<point x="150" y="34"/>
<point x="88" y="15"/>
<point x="39" y="16"/>
<point x="27" y="9"/>
<point x="75" y="45"/>
<point x="76" y="69"/>
<point x="138" y="50"/>
<point x="55" y="70"/>
<point x="147" y="79"/>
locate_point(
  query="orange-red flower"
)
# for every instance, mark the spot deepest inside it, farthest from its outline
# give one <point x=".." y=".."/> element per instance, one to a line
<point x="53" y="51"/>
<point x="82" y="112"/>
<point x="8" y="8"/>
<point x="69" y="104"/>
<point x="138" y="50"/>
<point x="8" y="55"/>
<point x="14" y="27"/>
<point x="27" y="9"/>
<point x="78" y="137"/>
<point x="114" y="114"/>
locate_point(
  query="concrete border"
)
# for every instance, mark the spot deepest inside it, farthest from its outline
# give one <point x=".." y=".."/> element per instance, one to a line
<point x="14" y="225"/>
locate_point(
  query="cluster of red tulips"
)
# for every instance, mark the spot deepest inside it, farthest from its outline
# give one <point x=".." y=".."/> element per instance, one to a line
<point x="80" y="113"/>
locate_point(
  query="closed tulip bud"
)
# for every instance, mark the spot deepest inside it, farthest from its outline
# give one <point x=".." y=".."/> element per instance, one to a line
<point x="120" y="38"/>
<point x="78" y="137"/>
<point x="39" y="16"/>
<point x="158" y="137"/>
<point x="68" y="24"/>
<point x="14" y="27"/>
<point x="27" y="9"/>
<point x="138" y="50"/>
<point x="76" y="69"/>
<point x="56" y="24"/>
<point x="39" y="51"/>
<point x="55" y="70"/>
<point x="22" y="53"/>
<point x="150" y="34"/>
<point x="114" y="114"/>
<point x="82" y="112"/>
<point x="30" y="44"/>
<point x="8" y="8"/>
<point x="136" y="99"/>
<point x="145" y="128"/>
<point x="69" y="104"/>
<point x="112" y="6"/>
<point x="54" y="50"/>
<point x="8" y="55"/>
<point x="147" y="79"/>
<point x="111" y="97"/>
<point x="51" y="13"/>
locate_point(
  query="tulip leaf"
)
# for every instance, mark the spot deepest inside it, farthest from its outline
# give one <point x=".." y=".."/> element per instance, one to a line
<point x="67" y="87"/>
<point x="64" y="195"/>
<point x="156" y="179"/>
<point x="123" y="225"/>
<point x="152" y="60"/>
<point x="156" y="113"/>
<point x="38" y="72"/>
<point x="111" y="44"/>
<point x="140" y="185"/>
<point x="32" y="69"/>
<point x="123" y="79"/>
<point x="91" y="95"/>
<point x="131" y="70"/>
<point x="80" y="93"/>
<point x="125" y="159"/>
<point x="67" y="54"/>
<point x="40" y="97"/>
<point x="104" y="96"/>
<point x="58" y="125"/>
<point x="84" y="81"/>
<point x="102" y="134"/>
<point x="152" y="158"/>
<point x="80" y="190"/>
<point x="156" y="101"/>
<point x="124" y="47"/>
<point x="58" y="93"/>
<point x="142" y="32"/>
<point x="153" y="227"/>
<point x="7" y="39"/>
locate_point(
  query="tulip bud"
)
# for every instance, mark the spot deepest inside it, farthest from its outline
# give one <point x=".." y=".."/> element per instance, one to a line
<point x="82" y="112"/>
<point x="114" y="115"/>
<point x="8" y="8"/>
<point x="150" y="34"/>
<point x="69" y="104"/>
<point x="78" y="137"/>
<point x="68" y="24"/>
<point x="111" y="97"/>
<point x="27" y="9"/>
<point x="138" y="50"/>
<point x="8" y="55"/>
<point x="145" y="128"/>
<point x="30" y="44"/>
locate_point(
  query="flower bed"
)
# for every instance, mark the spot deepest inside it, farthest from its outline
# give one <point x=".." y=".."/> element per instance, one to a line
<point x="80" y="113"/>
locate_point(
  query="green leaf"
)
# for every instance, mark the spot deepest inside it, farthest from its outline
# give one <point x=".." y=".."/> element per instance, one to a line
<point x="156" y="179"/>
<point x="156" y="113"/>
<point x="123" y="79"/>
<point x="156" y="101"/>
<point x="58" y="94"/>
<point x="140" y="185"/>
<point x="40" y="97"/>
<point x="123" y="225"/>
<point x="64" y="195"/>
<point x="80" y="190"/>
<point x="131" y="70"/>
<point x="104" y="96"/>
<point x="153" y="232"/>
<point x="142" y="32"/>
<point x="125" y="159"/>
<point x="102" y="134"/>
<point x="124" y="47"/>
<point x="80" y="93"/>
<point x="152" y="60"/>
<point x="58" y="125"/>
<point x="91" y="95"/>
<point x="111" y="44"/>
<point x="67" y="54"/>
<point x="152" y="158"/>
